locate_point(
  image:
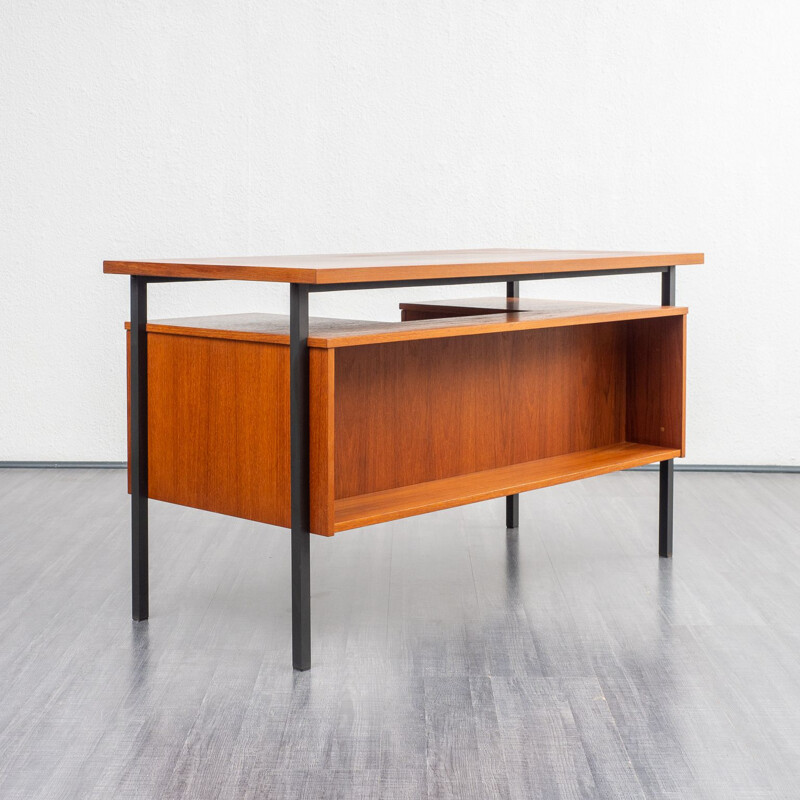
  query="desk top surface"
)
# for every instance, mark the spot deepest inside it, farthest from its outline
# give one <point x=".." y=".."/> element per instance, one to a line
<point x="420" y="265"/>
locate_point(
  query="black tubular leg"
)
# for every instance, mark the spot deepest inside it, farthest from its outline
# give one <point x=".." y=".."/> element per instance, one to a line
<point x="512" y="511"/>
<point x="512" y="500"/>
<point x="666" y="480"/>
<point x="666" y="472"/>
<point x="298" y="399"/>
<point x="668" y="287"/>
<point x="139" y="586"/>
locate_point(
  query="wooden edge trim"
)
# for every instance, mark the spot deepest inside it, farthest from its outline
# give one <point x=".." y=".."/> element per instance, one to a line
<point x="488" y="269"/>
<point x="221" y="272"/>
<point x="352" y="274"/>
<point x="216" y="333"/>
<point x="504" y="326"/>
<point x="321" y="493"/>
<point x="403" y="335"/>
<point x="683" y="390"/>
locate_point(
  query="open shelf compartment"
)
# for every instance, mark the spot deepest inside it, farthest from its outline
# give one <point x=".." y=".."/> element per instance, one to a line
<point x="412" y="416"/>
<point x="416" y="426"/>
<point x="419" y="498"/>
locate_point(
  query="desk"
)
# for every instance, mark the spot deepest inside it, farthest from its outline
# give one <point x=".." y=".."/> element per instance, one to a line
<point x="324" y="425"/>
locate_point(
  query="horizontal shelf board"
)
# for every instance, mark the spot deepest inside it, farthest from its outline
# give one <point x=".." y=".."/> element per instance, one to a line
<point x="540" y="314"/>
<point x="415" y="265"/>
<point x="498" y="304"/>
<point x="255" y="327"/>
<point x="331" y="333"/>
<point x="406" y="501"/>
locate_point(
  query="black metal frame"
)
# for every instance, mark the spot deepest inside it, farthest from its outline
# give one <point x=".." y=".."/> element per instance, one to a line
<point x="299" y="426"/>
<point x="140" y="581"/>
<point x="512" y="500"/>
<point x="299" y="421"/>
<point x="666" y="469"/>
<point x="507" y="279"/>
<point x="139" y="532"/>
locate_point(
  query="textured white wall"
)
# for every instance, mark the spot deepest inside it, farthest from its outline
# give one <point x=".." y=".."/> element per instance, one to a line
<point x="144" y="129"/>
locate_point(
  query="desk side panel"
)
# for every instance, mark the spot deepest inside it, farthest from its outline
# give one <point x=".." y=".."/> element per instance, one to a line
<point x="321" y="405"/>
<point x="656" y="385"/>
<point x="218" y="426"/>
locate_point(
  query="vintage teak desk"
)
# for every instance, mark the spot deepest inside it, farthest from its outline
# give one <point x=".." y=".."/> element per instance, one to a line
<point x="323" y="425"/>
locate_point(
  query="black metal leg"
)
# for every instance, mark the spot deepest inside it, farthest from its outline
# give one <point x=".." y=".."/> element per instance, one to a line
<point x="298" y="398"/>
<point x="138" y="466"/>
<point x="666" y="480"/>
<point x="512" y="500"/>
<point x="666" y="469"/>
<point x="668" y="287"/>
<point x="512" y="511"/>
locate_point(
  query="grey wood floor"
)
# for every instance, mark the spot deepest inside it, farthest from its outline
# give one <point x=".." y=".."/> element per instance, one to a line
<point x="450" y="659"/>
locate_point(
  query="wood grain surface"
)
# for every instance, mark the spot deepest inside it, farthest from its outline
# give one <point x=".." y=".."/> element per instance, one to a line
<point x="411" y="424"/>
<point x="413" y="412"/>
<point x="468" y="306"/>
<point x="326" y="332"/>
<point x="219" y="426"/>
<point x="480" y="305"/>
<point x="421" y="498"/>
<point x="656" y="383"/>
<point x="321" y="442"/>
<point x="421" y="265"/>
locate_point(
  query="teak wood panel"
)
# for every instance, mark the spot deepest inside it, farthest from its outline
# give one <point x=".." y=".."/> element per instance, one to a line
<point x="390" y="417"/>
<point x="413" y="412"/>
<point x="218" y="428"/>
<point x="421" y="498"/>
<point x="359" y="333"/>
<point x="321" y="443"/>
<point x="334" y="333"/>
<point x="415" y="315"/>
<point x="656" y="385"/>
<point x="465" y="307"/>
<point x="422" y="265"/>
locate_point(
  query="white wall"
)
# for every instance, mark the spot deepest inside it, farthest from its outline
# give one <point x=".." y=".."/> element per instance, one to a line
<point x="191" y="128"/>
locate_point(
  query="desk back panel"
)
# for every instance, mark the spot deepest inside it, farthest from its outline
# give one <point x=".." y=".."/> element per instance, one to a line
<point x="411" y="412"/>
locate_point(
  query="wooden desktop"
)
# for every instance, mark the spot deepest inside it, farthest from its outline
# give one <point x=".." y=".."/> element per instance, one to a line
<point x="460" y="401"/>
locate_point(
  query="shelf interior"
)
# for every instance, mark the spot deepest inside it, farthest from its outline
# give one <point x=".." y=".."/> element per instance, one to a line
<point x="405" y="501"/>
